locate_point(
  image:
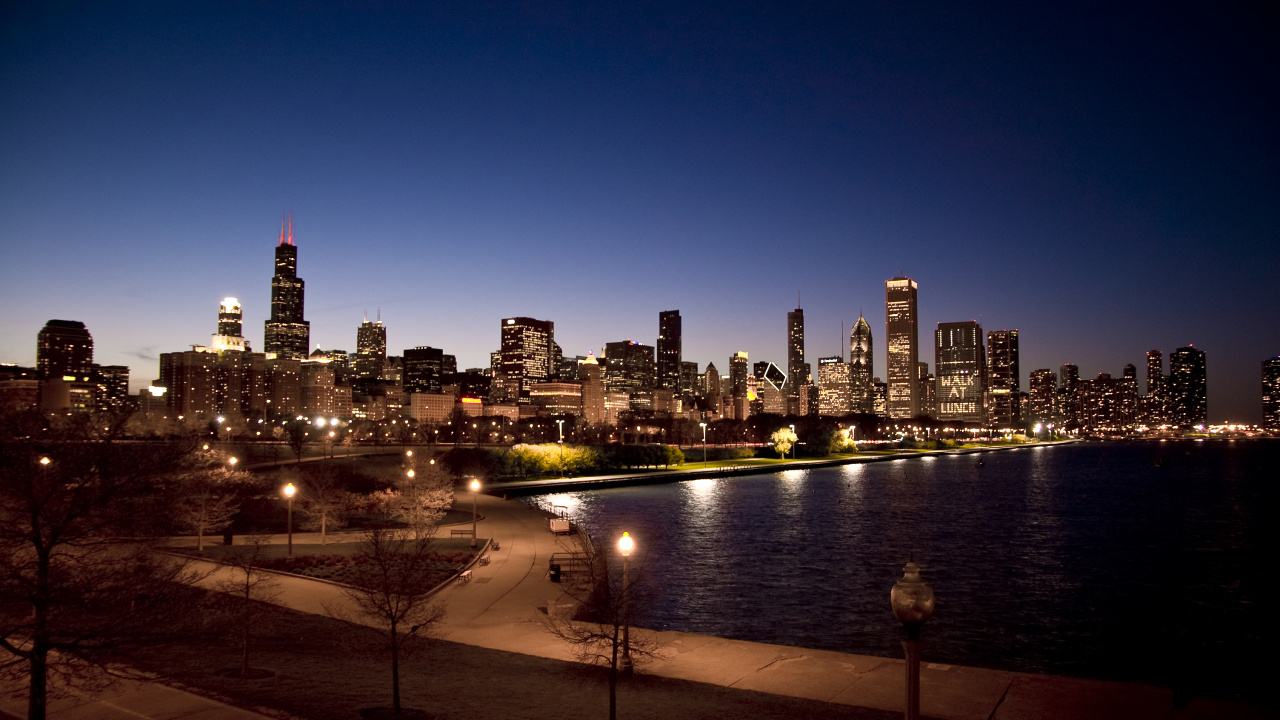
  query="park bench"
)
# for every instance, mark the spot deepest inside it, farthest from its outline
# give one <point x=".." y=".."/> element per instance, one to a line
<point x="461" y="533"/>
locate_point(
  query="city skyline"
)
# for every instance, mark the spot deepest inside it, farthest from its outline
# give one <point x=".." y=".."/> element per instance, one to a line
<point x="594" y="170"/>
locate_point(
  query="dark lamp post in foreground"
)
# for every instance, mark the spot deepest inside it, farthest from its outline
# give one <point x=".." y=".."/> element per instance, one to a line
<point x="289" y="492"/>
<point x="912" y="601"/>
<point x="475" y="493"/>
<point x="625" y="546"/>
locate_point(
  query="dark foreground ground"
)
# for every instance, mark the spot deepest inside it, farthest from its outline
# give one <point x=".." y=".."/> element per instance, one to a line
<point x="326" y="669"/>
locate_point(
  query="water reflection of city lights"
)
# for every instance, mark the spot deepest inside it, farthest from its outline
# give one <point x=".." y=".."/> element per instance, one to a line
<point x="569" y="502"/>
<point x="793" y="475"/>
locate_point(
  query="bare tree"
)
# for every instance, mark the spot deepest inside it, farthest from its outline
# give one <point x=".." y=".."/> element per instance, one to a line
<point x="254" y="586"/>
<point x="208" y="495"/>
<point x="419" y="499"/>
<point x="390" y="591"/>
<point x="325" y="503"/>
<point x="79" y="511"/>
<point x="296" y="435"/>
<point x="606" y="600"/>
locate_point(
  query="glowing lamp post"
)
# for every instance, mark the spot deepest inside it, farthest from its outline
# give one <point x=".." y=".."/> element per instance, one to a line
<point x="794" y="443"/>
<point x="475" y="493"/>
<point x="704" y="444"/>
<point x="912" y="601"/>
<point x="625" y="546"/>
<point x="289" y="492"/>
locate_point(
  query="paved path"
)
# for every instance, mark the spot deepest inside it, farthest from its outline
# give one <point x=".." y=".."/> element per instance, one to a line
<point x="503" y="605"/>
<point x="131" y="700"/>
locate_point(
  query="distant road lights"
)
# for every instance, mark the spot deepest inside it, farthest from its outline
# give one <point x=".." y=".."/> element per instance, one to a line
<point x="410" y="473"/>
<point x="625" y="546"/>
<point x="475" y="493"/>
<point x="232" y="462"/>
<point x="289" y="491"/>
<point x="320" y="422"/>
<point x="44" y="461"/>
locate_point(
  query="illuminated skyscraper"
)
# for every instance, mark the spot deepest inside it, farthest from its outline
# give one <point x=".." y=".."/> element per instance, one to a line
<point x="738" y="374"/>
<point x="1155" y="403"/>
<point x="371" y="349"/>
<point x="64" y="351"/>
<point x="1271" y="393"/>
<point x="526" y="354"/>
<point x="960" y="367"/>
<point x="861" y="367"/>
<point x="796" y="371"/>
<point x="229" y="335"/>
<point x="1043" y="397"/>
<point x="287" y="335"/>
<point x="1188" y="388"/>
<point x="1069" y="395"/>
<point x="628" y="367"/>
<point x="901" y="340"/>
<point x="833" y="386"/>
<point x="1004" y="383"/>
<point x="669" y="350"/>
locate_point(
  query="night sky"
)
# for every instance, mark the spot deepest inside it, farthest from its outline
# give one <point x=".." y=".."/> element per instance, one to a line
<point x="1102" y="177"/>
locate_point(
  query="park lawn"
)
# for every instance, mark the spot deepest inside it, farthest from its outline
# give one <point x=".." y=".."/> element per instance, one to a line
<point x="327" y="669"/>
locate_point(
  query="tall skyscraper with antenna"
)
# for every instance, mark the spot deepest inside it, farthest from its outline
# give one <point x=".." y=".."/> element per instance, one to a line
<point x="371" y="348"/>
<point x="861" y="368"/>
<point x="287" y="335"/>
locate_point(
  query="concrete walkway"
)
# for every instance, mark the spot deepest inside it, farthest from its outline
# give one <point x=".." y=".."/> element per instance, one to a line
<point x="131" y="700"/>
<point x="502" y="608"/>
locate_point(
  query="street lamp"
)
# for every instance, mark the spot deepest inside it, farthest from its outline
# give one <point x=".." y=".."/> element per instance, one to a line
<point x="233" y="462"/>
<point x="289" y="492"/>
<point x="912" y="601"/>
<point x="475" y="494"/>
<point x="704" y="444"/>
<point x="625" y="546"/>
<point x="794" y="443"/>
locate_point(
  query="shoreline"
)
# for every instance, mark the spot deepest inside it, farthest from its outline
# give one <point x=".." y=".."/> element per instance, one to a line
<point x="659" y="477"/>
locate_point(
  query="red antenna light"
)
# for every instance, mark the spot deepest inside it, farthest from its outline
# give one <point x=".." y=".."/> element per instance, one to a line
<point x="290" y="227"/>
<point x="281" y="231"/>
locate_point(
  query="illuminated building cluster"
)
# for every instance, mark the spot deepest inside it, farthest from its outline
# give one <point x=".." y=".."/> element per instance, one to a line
<point x="975" y="383"/>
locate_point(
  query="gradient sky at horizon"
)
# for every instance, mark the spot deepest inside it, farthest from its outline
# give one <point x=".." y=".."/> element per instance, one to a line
<point x="1102" y="178"/>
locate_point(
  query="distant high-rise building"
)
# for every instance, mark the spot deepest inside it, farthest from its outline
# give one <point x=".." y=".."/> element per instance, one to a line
<point x="1271" y="393"/>
<point x="796" y="370"/>
<point x="960" y="367"/>
<point x="738" y="374"/>
<point x="1004" y="386"/>
<point x="423" y="368"/>
<point x="287" y="334"/>
<point x="833" y="386"/>
<point x="64" y="351"/>
<point x="371" y="349"/>
<point x="879" y="398"/>
<point x="902" y="343"/>
<point x="112" y="387"/>
<point x="669" y="350"/>
<point x="628" y="367"/>
<point x="711" y="381"/>
<point x="1188" y="388"/>
<point x="230" y="335"/>
<point x="1069" y="395"/>
<point x="527" y="350"/>
<point x="688" y="378"/>
<point x="1155" y="403"/>
<point x="861" y="366"/>
<point x="1043" y="397"/>
<point x="928" y="391"/>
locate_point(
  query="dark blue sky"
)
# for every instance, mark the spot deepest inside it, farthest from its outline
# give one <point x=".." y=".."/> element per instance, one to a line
<point x="1102" y="177"/>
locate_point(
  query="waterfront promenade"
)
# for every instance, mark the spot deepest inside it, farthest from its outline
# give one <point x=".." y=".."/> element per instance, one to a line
<point x="503" y="605"/>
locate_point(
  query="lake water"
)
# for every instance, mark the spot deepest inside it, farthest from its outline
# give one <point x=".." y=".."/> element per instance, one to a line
<point x="1123" y="561"/>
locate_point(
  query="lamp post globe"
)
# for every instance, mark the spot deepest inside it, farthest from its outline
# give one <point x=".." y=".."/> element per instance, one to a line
<point x="474" y="486"/>
<point x="912" y="602"/>
<point x="625" y="546"/>
<point x="289" y="491"/>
